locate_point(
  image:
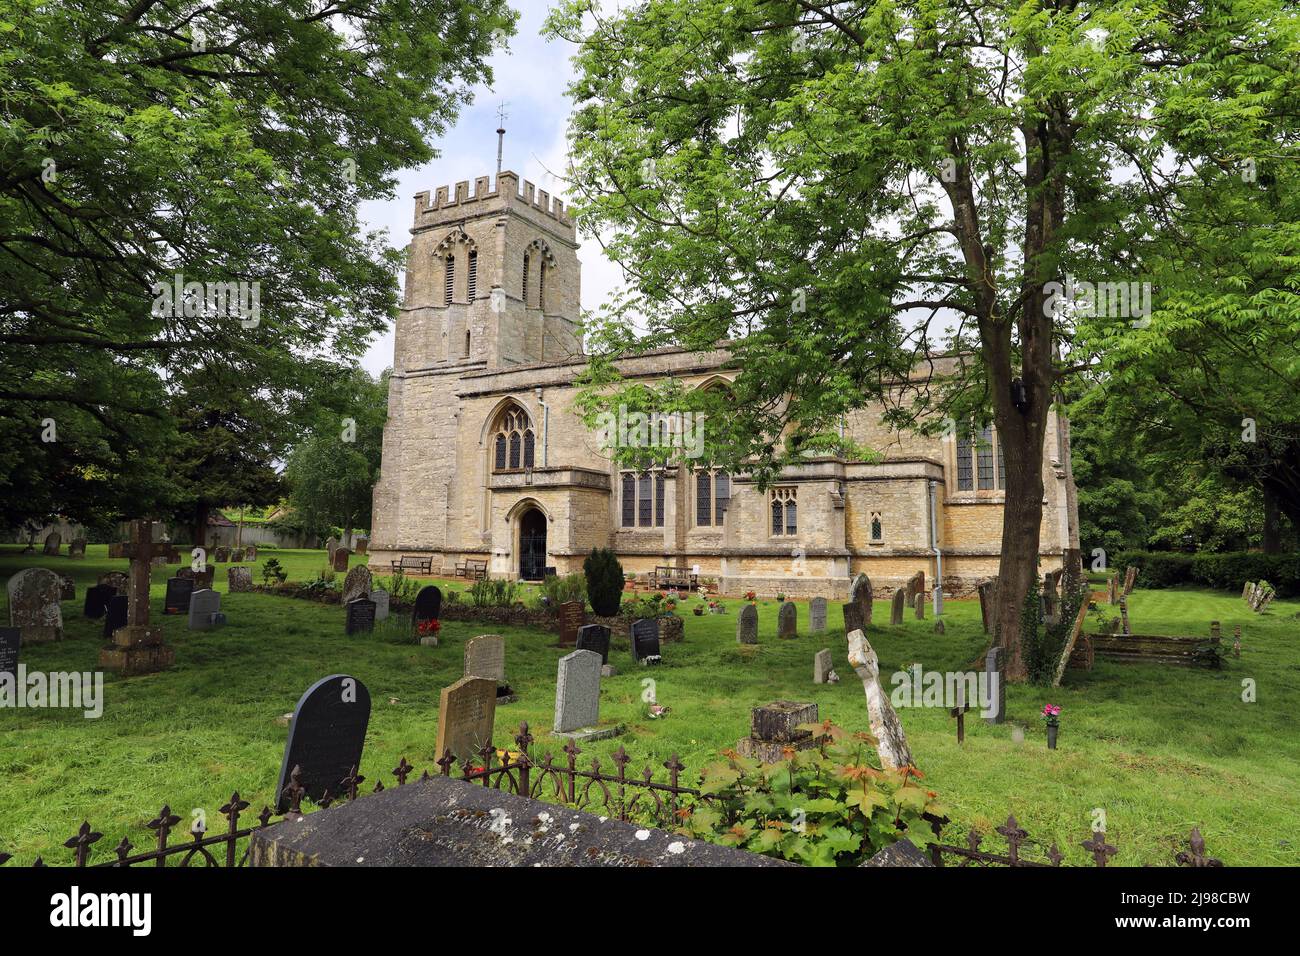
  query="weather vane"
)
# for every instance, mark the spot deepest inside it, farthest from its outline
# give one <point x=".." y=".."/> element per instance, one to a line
<point x="501" y="132"/>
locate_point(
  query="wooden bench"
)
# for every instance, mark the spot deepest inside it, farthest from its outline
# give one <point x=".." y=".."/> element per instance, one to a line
<point x="413" y="562"/>
<point x="666" y="577"/>
<point x="472" y="568"/>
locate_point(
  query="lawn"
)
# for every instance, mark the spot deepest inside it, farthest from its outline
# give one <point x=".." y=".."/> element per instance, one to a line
<point x="1159" y="749"/>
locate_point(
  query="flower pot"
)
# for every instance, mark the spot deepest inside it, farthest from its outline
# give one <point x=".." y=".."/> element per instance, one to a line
<point x="1051" y="736"/>
<point x="699" y="612"/>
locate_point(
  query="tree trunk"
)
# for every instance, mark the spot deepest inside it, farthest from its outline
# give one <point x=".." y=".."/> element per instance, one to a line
<point x="1022" y="520"/>
<point x="1272" y="522"/>
<point x="200" y="528"/>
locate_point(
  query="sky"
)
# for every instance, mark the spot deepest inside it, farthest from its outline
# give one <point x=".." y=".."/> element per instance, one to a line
<point x="531" y="77"/>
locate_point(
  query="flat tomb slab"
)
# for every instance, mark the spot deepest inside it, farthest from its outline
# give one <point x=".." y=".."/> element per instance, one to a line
<point x="441" y="821"/>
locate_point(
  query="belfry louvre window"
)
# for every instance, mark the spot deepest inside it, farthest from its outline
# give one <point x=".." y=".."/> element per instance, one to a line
<point x="641" y="499"/>
<point x="471" y="277"/>
<point x="541" y="284"/>
<point x="514" y="443"/>
<point x="712" y="496"/>
<point x="524" y="292"/>
<point x="981" y="463"/>
<point x="449" y="283"/>
<point x="785" y="511"/>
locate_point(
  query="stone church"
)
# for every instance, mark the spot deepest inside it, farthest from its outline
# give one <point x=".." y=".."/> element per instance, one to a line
<point x="485" y="459"/>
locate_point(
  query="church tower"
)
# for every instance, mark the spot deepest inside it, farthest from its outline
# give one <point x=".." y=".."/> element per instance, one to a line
<point x="492" y="279"/>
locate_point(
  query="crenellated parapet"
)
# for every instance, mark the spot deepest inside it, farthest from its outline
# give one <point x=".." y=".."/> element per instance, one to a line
<point x="453" y="204"/>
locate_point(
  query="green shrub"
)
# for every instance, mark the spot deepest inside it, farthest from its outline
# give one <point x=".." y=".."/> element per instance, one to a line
<point x="493" y="592"/>
<point x="271" y="571"/>
<point x="1228" y="571"/>
<point x="604" y="577"/>
<point x="401" y="589"/>
<point x="1156" y="569"/>
<point x="557" y="590"/>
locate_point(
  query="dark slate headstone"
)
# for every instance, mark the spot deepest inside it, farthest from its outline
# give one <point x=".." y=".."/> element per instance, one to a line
<point x="645" y="639"/>
<point x="97" y="597"/>
<point x="594" y="637"/>
<point x="115" y="615"/>
<point x="10" y="639"/>
<point x="860" y="593"/>
<point x="177" y="600"/>
<point x="428" y="604"/>
<point x="853" y="619"/>
<point x="787" y="620"/>
<point x="571" y="618"/>
<point x="361" y="615"/>
<point x="747" y="625"/>
<point x="326" y="737"/>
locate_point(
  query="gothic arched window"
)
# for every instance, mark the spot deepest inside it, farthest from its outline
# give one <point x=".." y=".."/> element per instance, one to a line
<point x="513" y="443"/>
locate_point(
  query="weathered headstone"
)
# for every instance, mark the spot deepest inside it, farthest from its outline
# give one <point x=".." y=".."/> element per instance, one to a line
<point x="571" y="619"/>
<point x="853" y="618"/>
<point x="860" y="594"/>
<point x="237" y="555"/>
<point x="357" y="584"/>
<point x="53" y="541"/>
<point x="137" y="648"/>
<point x="116" y="615"/>
<point x="997" y="705"/>
<point x="987" y="591"/>
<point x="577" y="697"/>
<point x="205" y="605"/>
<point x="919" y="603"/>
<point x="331" y="543"/>
<point x="117" y="580"/>
<point x="1068" y="649"/>
<point x="915" y="586"/>
<point x="34" y="595"/>
<point x="11" y="639"/>
<point x="1130" y="578"/>
<point x="360" y="616"/>
<point x="595" y="638"/>
<point x="67" y="587"/>
<point x="177" y="600"/>
<point x="380" y="597"/>
<point x="77" y="548"/>
<point x="96" y="603"/>
<point x="485" y="656"/>
<point x="939" y="627"/>
<point x="822" y="664"/>
<point x="787" y="620"/>
<point x="466" y="712"/>
<point x="817" y="615"/>
<point x="1112" y="586"/>
<point x="897" y="606"/>
<point x="747" y="625"/>
<point x="885" y="727"/>
<point x="239" y="580"/>
<point x="251" y="552"/>
<point x="363" y="545"/>
<point x="774" y="727"/>
<point x="221" y="555"/>
<point x="326" y="738"/>
<point x="645" y="640"/>
<point x="902" y="852"/>
<point x="341" y="556"/>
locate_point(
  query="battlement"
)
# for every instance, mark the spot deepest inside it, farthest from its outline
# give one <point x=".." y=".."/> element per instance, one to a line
<point x="447" y="204"/>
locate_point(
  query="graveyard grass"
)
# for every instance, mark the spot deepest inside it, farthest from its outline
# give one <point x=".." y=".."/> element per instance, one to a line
<point x="1158" y="749"/>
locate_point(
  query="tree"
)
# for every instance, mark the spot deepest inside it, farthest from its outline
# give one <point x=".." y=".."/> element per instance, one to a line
<point x="332" y="474"/>
<point x="823" y="185"/>
<point x="152" y="145"/>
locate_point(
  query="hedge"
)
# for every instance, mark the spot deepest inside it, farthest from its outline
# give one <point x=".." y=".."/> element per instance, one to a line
<point x="1223" y="572"/>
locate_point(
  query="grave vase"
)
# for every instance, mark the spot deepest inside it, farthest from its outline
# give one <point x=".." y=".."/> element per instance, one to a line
<point x="1051" y="736"/>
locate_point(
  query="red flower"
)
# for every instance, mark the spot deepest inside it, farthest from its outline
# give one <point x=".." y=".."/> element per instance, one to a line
<point x="431" y="626"/>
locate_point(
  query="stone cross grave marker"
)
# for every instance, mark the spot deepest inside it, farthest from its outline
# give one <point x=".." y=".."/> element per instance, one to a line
<point x="466" y="712"/>
<point x="645" y="640"/>
<point x="896" y="607"/>
<point x="360" y="616"/>
<point x="997" y="686"/>
<point x="136" y="647"/>
<point x="380" y="597"/>
<point x="747" y="625"/>
<point x="595" y="638"/>
<point x="205" y="606"/>
<point x="11" y="639"/>
<point x="860" y="594"/>
<point x="239" y="580"/>
<point x="34" y="595"/>
<point x="577" y="693"/>
<point x="817" y="615"/>
<point x="787" y="620"/>
<point x="179" y="591"/>
<point x="822" y="664"/>
<point x="326" y="737"/>
<point x="960" y="713"/>
<point x="357" y="584"/>
<point x="885" y="727"/>
<point x="571" y="619"/>
<point x="53" y="541"/>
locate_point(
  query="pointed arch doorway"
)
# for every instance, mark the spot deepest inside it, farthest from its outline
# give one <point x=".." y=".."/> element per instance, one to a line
<point x="532" y="545"/>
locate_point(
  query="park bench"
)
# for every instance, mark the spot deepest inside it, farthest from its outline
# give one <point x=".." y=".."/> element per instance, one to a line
<point x="413" y="563"/>
<point x="667" y="577"/>
<point x="472" y="568"/>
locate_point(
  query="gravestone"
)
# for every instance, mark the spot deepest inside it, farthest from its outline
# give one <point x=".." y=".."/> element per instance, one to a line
<point x="577" y="698"/>
<point x="645" y="640"/>
<point x="896" y="607"/>
<point x="77" y="548"/>
<point x="915" y="586"/>
<point x="326" y="738"/>
<point x="380" y="597"/>
<point x="251" y="552"/>
<point x="360" y="616"/>
<point x="237" y="555"/>
<point x="1112" y="589"/>
<point x="774" y="727"/>
<point x="331" y="543"/>
<point x="466" y="712"/>
<point x="357" y="584"/>
<point x="987" y="592"/>
<point x="891" y="744"/>
<point x="34" y="595"/>
<point x="11" y="639"/>
<point x="902" y="852"/>
<point x="96" y="603"/>
<point x="787" y="620"/>
<point x="595" y="638"/>
<point x="239" y="580"/>
<point x="179" y="591"/>
<point x="485" y="656"/>
<point x="997" y="686"/>
<point x="221" y="555"/>
<point x="817" y="615"/>
<point x="747" y="625"/>
<point x="205" y="606"/>
<point x="939" y="627"/>
<point x="428" y="604"/>
<point x="822" y="664"/>
<point x="363" y="545"/>
<point x="1123" y="616"/>
<point x="1074" y="638"/>
<point x="53" y="541"/>
<point x="571" y="619"/>
<point x="919" y="603"/>
<point x="341" y="556"/>
<point x="853" y="618"/>
<point x="860" y="594"/>
<point x="136" y="647"/>
<point x="67" y="587"/>
<point x="115" y="615"/>
<point x="1130" y="578"/>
